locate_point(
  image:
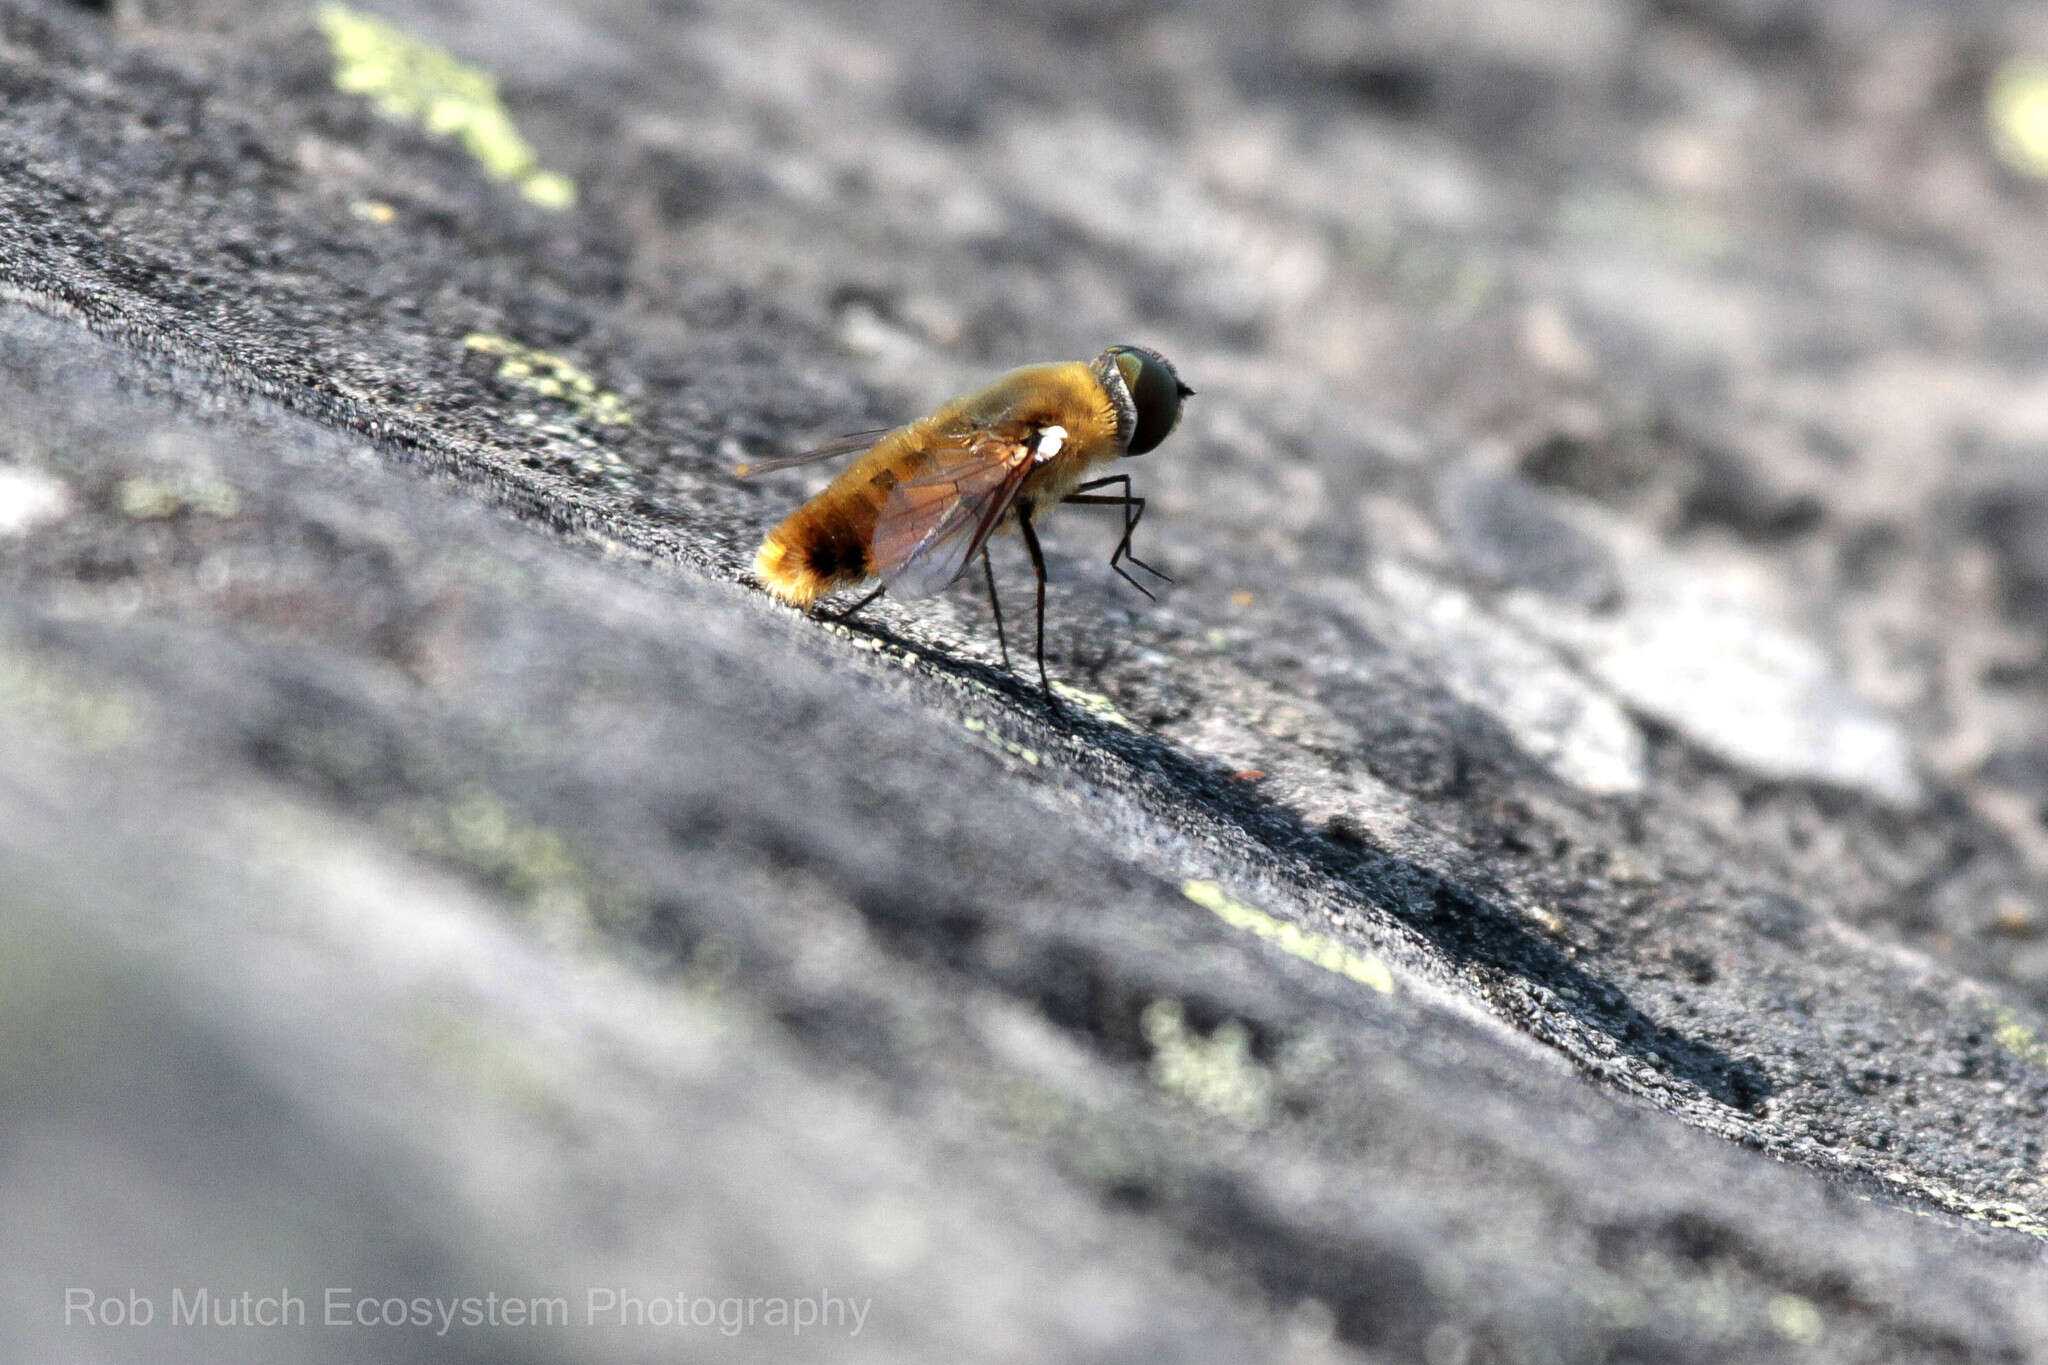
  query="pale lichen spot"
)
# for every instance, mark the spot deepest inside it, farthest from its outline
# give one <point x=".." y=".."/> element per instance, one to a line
<point x="56" y="702"/>
<point x="1217" y="1074"/>
<point x="539" y="868"/>
<point x="1947" y="1199"/>
<point x="2016" y="104"/>
<point x="549" y="189"/>
<point x="1306" y="944"/>
<point x="551" y="376"/>
<point x="2016" y="1037"/>
<point x="28" y="499"/>
<point x="1795" y="1319"/>
<point x="447" y="1038"/>
<point x="153" y="499"/>
<point x="1094" y="703"/>
<point x="412" y="81"/>
<point x="1011" y="747"/>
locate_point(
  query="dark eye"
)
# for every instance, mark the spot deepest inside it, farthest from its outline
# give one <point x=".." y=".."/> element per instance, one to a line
<point x="1156" y="391"/>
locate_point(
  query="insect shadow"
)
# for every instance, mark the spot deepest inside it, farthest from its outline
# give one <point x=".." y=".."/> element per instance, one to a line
<point x="1496" y="950"/>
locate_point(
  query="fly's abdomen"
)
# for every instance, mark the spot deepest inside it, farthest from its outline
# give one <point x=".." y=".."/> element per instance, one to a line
<point x="825" y="544"/>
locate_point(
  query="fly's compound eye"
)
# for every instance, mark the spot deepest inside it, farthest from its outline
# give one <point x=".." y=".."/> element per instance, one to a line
<point x="1156" y="392"/>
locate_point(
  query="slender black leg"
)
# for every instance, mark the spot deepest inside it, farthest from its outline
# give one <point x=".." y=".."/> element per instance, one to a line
<point x="1122" y="549"/>
<point x="849" y="611"/>
<point x="1134" y="510"/>
<point x="995" y="606"/>
<point x="1037" y="567"/>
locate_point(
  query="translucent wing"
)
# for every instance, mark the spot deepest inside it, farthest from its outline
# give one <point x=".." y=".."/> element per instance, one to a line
<point x="932" y="525"/>
<point x="838" y="445"/>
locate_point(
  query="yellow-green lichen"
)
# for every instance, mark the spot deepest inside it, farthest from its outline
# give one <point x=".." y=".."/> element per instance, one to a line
<point x="1011" y="747"/>
<point x="1094" y="703"/>
<point x="414" y="82"/>
<point x="1217" y="1074"/>
<point x="2016" y="104"/>
<point x="1949" y="1200"/>
<point x="49" y="697"/>
<point x="537" y="866"/>
<point x="1103" y="1149"/>
<point x="1795" y="1319"/>
<point x="551" y="376"/>
<point x="451" y="1040"/>
<point x="2016" y="1037"/>
<point x="151" y="499"/>
<point x="1306" y="944"/>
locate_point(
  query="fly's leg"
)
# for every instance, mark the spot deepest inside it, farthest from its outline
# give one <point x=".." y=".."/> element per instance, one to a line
<point x="1134" y="510"/>
<point x="995" y="606"/>
<point x="1037" y="567"/>
<point x="847" y="613"/>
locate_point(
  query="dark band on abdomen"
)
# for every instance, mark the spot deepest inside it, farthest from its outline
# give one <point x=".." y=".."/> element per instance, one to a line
<point x="837" y="551"/>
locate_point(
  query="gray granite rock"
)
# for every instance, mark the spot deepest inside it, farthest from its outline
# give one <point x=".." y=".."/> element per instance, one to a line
<point x="1557" y="877"/>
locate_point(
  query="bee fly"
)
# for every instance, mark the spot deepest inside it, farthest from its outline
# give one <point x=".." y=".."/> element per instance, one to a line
<point x="925" y="498"/>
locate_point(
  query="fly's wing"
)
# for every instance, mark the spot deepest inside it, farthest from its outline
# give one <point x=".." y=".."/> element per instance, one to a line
<point x="838" y="445"/>
<point x="932" y="525"/>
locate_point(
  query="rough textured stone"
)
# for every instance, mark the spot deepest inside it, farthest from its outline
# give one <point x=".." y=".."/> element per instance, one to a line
<point x="1557" y="877"/>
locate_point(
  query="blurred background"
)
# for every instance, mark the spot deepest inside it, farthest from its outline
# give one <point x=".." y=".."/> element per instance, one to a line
<point x="1562" y="875"/>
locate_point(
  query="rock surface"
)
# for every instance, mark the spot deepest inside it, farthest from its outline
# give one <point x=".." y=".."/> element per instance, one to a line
<point x="1559" y="876"/>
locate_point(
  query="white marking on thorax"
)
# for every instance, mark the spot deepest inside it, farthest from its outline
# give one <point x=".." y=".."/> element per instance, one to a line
<point x="1051" y="440"/>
